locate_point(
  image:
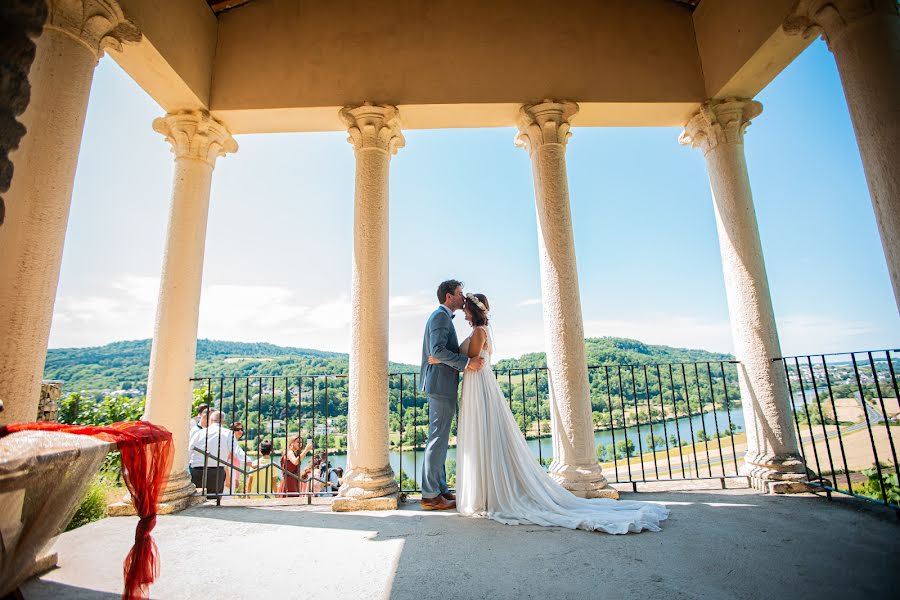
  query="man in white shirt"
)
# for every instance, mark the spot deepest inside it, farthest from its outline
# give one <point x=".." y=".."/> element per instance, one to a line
<point x="219" y="445"/>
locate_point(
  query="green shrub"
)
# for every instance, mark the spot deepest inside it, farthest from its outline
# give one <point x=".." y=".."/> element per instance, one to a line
<point x="92" y="507"/>
<point x="872" y="486"/>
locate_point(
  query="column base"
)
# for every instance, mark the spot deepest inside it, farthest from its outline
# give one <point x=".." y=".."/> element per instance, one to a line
<point x="584" y="481"/>
<point x="177" y="495"/>
<point x="784" y="474"/>
<point x="42" y="564"/>
<point x="354" y="504"/>
<point x="368" y="489"/>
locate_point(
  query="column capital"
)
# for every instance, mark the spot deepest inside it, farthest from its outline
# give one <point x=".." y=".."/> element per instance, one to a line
<point x="720" y="121"/>
<point x="96" y="24"/>
<point x="831" y="18"/>
<point x="547" y="122"/>
<point x="196" y="134"/>
<point x="373" y="127"/>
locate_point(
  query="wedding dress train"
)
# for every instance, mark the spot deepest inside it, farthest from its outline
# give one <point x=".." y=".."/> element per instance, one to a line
<point x="498" y="478"/>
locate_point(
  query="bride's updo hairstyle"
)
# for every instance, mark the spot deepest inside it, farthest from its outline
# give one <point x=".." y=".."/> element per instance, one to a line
<point x="479" y="316"/>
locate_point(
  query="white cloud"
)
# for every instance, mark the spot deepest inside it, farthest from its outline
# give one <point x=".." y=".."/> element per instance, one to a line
<point x="670" y="330"/>
<point x="126" y="310"/>
<point x="810" y="333"/>
<point x="530" y="302"/>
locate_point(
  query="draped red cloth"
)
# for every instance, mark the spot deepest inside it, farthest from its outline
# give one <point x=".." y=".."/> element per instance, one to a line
<point x="147" y="454"/>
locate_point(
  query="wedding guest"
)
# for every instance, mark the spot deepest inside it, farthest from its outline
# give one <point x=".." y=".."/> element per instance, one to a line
<point x="232" y="476"/>
<point x="309" y="477"/>
<point x="211" y="451"/>
<point x="290" y="463"/>
<point x="264" y="481"/>
<point x="202" y="409"/>
<point x="329" y="475"/>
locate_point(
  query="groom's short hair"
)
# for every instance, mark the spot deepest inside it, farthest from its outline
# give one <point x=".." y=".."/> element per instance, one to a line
<point x="447" y="287"/>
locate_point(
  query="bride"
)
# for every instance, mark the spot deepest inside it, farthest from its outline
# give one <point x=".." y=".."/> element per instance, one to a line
<point x="498" y="478"/>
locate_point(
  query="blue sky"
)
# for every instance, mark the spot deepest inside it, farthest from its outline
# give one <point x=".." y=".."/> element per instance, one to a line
<point x="280" y="230"/>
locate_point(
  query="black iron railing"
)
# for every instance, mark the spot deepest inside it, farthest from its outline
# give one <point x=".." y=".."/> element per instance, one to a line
<point x="846" y="411"/>
<point x="277" y="409"/>
<point x="652" y="422"/>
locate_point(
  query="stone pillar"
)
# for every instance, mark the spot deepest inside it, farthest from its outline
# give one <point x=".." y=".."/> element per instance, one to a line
<point x="773" y="453"/>
<point x="864" y="36"/>
<point x="369" y="483"/>
<point x="37" y="205"/>
<point x="197" y="140"/>
<point x="544" y="132"/>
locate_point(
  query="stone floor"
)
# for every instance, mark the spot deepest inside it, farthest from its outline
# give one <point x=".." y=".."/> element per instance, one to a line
<point x="717" y="544"/>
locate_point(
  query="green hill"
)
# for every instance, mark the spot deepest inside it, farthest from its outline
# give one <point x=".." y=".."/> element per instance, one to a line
<point x="621" y="351"/>
<point x="125" y="365"/>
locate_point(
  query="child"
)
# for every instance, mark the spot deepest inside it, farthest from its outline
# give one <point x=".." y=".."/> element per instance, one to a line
<point x="263" y="481"/>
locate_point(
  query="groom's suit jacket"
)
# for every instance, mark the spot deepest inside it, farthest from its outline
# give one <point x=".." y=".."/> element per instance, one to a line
<point x="440" y="341"/>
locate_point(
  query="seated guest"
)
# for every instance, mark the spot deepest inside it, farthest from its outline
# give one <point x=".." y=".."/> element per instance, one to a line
<point x="211" y="451"/>
<point x="331" y="477"/>
<point x="263" y="481"/>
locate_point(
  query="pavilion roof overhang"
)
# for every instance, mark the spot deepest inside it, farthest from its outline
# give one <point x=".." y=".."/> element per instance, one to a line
<point x="284" y="65"/>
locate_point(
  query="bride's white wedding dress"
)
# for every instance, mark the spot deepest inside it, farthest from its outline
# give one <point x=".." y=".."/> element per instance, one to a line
<point x="497" y="476"/>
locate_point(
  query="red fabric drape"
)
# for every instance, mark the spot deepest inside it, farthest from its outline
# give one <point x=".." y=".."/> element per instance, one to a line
<point x="147" y="454"/>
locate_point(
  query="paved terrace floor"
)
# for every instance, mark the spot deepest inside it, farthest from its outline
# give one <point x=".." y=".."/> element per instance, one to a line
<point x="717" y="544"/>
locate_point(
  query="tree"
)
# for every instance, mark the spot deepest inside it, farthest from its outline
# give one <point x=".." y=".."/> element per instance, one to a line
<point x="654" y="442"/>
<point x="601" y="452"/>
<point x="625" y="447"/>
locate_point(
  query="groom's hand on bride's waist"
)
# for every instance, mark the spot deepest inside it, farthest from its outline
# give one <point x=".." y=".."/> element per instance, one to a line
<point x="475" y="364"/>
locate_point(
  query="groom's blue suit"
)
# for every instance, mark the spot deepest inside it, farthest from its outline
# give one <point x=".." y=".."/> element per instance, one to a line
<point x="440" y="383"/>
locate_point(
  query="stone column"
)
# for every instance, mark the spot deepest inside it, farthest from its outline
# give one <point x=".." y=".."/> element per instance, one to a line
<point x="773" y="453"/>
<point x="864" y="36"/>
<point x="544" y="132"/>
<point x="197" y="140"/>
<point x="37" y="205"/>
<point x="369" y="483"/>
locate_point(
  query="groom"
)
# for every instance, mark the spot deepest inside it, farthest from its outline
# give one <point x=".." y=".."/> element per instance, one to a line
<point x="440" y="383"/>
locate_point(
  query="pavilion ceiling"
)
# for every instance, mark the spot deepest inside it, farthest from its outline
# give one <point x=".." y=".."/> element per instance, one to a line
<point x="218" y="6"/>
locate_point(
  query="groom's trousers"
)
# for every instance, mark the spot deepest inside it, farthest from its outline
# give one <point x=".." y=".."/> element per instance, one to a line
<point x="441" y="411"/>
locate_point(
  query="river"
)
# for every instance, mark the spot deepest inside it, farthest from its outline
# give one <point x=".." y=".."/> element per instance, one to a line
<point x="706" y="422"/>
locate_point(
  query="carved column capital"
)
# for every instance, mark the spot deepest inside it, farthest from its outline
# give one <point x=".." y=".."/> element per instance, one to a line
<point x="373" y="127"/>
<point x="96" y="24"/>
<point x="831" y="18"/>
<point x="720" y="121"/>
<point x="547" y="122"/>
<point x="196" y="134"/>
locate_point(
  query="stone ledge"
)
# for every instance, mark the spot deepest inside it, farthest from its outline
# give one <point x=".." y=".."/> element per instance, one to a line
<point x="342" y="504"/>
<point x="42" y="564"/>
<point x="791" y="487"/>
<point x="126" y="509"/>
<point x="606" y="492"/>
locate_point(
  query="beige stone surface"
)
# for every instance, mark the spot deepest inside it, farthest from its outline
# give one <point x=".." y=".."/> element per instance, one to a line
<point x="196" y="141"/>
<point x="742" y="44"/>
<point x="37" y="204"/>
<point x="718" y="129"/>
<point x="374" y="132"/>
<point x="173" y="61"/>
<point x="703" y="551"/>
<point x="342" y="504"/>
<point x="544" y="132"/>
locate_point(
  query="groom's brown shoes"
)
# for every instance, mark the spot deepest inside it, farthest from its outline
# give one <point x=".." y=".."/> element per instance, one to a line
<point x="437" y="503"/>
<point x="448" y="496"/>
